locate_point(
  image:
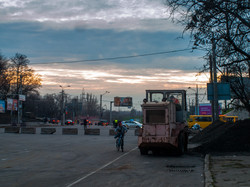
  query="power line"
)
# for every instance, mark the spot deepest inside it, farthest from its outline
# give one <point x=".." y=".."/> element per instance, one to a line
<point x="115" y="58"/>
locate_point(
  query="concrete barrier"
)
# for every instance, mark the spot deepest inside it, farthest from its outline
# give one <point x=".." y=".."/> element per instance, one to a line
<point x="92" y="131"/>
<point x="48" y="130"/>
<point x="28" y="130"/>
<point x="12" y="129"/>
<point x="70" y="131"/>
<point x="111" y="132"/>
<point x="138" y="132"/>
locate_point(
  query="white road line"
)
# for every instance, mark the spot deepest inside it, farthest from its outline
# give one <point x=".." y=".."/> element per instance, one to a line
<point x="104" y="166"/>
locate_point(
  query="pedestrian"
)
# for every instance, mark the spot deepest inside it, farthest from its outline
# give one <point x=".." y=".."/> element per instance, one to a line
<point x="85" y="123"/>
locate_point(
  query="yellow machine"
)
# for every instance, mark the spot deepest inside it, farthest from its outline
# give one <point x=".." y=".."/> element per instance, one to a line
<point x="225" y="118"/>
<point x="205" y="120"/>
<point x="202" y="120"/>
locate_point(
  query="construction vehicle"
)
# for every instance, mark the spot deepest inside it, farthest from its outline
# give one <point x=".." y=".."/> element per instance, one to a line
<point x="164" y="122"/>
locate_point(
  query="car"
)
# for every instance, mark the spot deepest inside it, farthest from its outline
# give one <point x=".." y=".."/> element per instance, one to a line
<point x="54" y="121"/>
<point x="69" y="122"/>
<point x="103" y="123"/>
<point x="132" y="124"/>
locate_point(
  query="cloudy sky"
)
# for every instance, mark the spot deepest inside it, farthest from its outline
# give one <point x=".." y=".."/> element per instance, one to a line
<point x="76" y="43"/>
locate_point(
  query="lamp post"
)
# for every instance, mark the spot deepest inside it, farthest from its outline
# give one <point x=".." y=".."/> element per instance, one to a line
<point x="110" y="112"/>
<point x="101" y="103"/>
<point x="63" y="106"/>
<point x="196" y="99"/>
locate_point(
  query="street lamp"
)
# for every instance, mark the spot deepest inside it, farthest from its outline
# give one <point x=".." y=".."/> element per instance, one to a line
<point x="63" y="105"/>
<point x="110" y="112"/>
<point x="101" y="103"/>
<point x="196" y="99"/>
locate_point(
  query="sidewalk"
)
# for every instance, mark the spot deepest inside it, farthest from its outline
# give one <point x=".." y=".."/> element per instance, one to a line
<point x="224" y="171"/>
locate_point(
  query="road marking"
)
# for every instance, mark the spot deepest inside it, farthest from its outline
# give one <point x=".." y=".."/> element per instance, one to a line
<point x="104" y="166"/>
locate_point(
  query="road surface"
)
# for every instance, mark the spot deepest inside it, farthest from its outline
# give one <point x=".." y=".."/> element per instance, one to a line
<point x="34" y="160"/>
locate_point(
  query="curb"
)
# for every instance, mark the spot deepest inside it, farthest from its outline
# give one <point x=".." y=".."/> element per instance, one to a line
<point x="208" y="176"/>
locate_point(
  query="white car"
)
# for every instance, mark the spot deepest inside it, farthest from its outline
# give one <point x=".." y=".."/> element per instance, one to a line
<point x="132" y="124"/>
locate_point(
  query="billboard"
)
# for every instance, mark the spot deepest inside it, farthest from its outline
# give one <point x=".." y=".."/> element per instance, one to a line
<point x="22" y="98"/>
<point x="2" y="106"/>
<point x="12" y="104"/>
<point x="223" y="91"/>
<point x="123" y="101"/>
<point x="206" y="109"/>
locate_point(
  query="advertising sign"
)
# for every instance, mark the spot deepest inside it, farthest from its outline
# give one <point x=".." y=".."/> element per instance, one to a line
<point x="206" y="109"/>
<point x="2" y="106"/>
<point x="123" y="101"/>
<point x="12" y="104"/>
<point x="9" y="104"/>
<point x="15" y="105"/>
<point x="22" y="98"/>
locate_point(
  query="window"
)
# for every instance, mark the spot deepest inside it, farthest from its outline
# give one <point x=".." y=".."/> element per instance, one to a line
<point x="155" y="116"/>
<point x="156" y="97"/>
<point x="205" y="119"/>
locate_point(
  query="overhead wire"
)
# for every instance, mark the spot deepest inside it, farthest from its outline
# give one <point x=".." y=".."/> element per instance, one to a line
<point x="115" y="58"/>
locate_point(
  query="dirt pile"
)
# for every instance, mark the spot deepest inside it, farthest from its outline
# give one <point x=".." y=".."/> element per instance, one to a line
<point x="224" y="137"/>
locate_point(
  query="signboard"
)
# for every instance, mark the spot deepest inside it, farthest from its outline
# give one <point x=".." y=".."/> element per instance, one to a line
<point x="206" y="109"/>
<point x="22" y="98"/>
<point x="2" y="106"/>
<point x="9" y="104"/>
<point x="12" y="104"/>
<point x="123" y="101"/>
<point x="223" y="91"/>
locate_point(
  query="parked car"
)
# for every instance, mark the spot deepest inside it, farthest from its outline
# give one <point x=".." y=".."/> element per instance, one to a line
<point x="69" y="122"/>
<point x="132" y="124"/>
<point x="103" y="123"/>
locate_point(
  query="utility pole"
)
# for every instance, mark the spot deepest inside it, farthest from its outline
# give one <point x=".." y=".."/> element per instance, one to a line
<point x="110" y="112"/>
<point x="215" y="98"/>
<point x="211" y="81"/>
<point x="19" y="106"/>
<point x="101" y="104"/>
<point x="196" y="101"/>
<point x="63" y="106"/>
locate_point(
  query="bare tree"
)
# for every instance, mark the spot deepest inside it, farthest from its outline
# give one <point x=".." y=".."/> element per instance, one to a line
<point x="92" y="104"/>
<point x="225" y="21"/>
<point x="22" y="76"/>
<point x="4" y="83"/>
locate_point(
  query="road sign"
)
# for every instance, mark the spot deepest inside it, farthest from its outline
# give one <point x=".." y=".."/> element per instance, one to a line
<point x="223" y="91"/>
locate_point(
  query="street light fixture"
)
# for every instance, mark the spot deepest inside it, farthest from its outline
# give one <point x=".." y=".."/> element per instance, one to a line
<point x="101" y="103"/>
<point x="63" y="105"/>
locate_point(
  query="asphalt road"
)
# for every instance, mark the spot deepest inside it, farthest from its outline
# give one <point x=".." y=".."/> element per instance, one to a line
<point x="34" y="160"/>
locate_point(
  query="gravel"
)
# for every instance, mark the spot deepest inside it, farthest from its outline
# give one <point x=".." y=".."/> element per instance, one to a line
<point x="223" y="137"/>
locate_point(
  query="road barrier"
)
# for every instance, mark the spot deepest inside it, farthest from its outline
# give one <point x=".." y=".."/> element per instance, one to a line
<point x="111" y="132"/>
<point x="92" y="131"/>
<point x="137" y="132"/>
<point x="28" y="130"/>
<point x="12" y="129"/>
<point x="70" y="131"/>
<point x="48" y="130"/>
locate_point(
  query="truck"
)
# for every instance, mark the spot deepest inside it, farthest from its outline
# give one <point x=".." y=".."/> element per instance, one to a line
<point x="164" y="122"/>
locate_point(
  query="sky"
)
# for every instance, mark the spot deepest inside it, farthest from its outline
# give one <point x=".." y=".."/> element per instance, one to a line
<point x="77" y="43"/>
